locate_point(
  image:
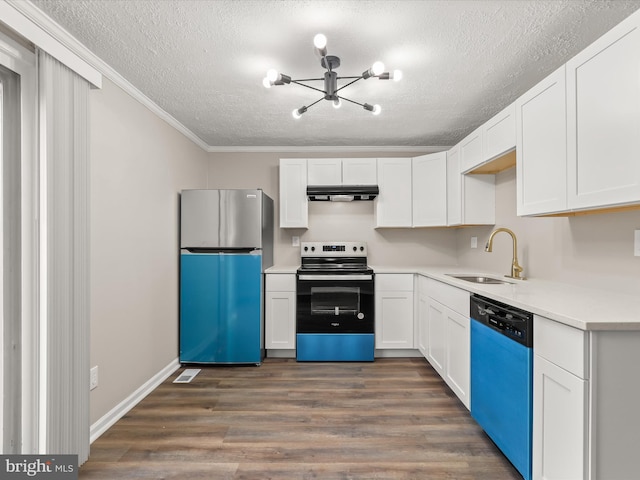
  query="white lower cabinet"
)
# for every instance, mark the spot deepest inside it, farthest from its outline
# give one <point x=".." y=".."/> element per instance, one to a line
<point x="585" y="403"/>
<point x="280" y="311"/>
<point x="447" y="335"/>
<point x="422" y="316"/>
<point x="560" y="401"/>
<point x="394" y="311"/>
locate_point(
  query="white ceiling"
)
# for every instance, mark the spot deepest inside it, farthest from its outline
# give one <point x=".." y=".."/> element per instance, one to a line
<point x="463" y="61"/>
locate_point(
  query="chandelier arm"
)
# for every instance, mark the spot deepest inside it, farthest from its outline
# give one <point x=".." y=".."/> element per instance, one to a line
<point x="350" y="83"/>
<point x="317" y="101"/>
<point x="307" y="80"/>
<point x="352" y="101"/>
<point x="308" y="86"/>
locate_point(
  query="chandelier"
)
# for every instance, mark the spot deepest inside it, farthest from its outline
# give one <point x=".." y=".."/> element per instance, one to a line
<point x="330" y="78"/>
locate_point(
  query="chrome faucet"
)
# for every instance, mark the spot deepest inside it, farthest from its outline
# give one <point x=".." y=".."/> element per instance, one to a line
<point x="516" y="269"/>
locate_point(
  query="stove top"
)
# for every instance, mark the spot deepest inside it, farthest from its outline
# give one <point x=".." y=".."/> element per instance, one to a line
<point x="334" y="257"/>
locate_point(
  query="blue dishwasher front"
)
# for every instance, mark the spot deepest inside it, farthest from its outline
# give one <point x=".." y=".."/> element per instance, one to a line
<point x="502" y="378"/>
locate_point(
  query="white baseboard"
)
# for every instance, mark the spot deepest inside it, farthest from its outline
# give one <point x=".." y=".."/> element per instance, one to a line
<point x="120" y="410"/>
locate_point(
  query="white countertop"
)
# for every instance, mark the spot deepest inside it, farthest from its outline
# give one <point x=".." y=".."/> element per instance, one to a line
<point x="583" y="308"/>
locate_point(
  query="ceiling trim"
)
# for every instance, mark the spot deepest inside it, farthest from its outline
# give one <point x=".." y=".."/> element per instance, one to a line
<point x="335" y="148"/>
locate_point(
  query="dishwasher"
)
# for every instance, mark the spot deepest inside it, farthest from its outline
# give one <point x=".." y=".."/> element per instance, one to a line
<point x="502" y="377"/>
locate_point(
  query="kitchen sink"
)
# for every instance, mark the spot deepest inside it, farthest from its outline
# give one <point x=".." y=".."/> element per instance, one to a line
<point x="478" y="279"/>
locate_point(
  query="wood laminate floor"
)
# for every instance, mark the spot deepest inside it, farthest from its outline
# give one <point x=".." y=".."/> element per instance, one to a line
<point x="390" y="419"/>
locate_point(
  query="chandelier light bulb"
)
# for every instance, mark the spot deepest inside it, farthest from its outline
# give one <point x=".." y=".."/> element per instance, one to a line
<point x="272" y="75"/>
<point x="320" y="41"/>
<point x="397" y="75"/>
<point x="376" y="109"/>
<point x="266" y="82"/>
<point x="377" y="68"/>
<point x="337" y="103"/>
<point x="297" y="113"/>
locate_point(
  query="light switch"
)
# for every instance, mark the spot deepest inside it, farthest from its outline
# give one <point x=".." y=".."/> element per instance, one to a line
<point x="636" y="243"/>
<point x="295" y="241"/>
<point x="474" y="242"/>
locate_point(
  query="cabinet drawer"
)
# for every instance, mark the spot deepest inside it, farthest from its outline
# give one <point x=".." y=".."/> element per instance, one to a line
<point x="278" y="282"/>
<point x="562" y="345"/>
<point x="454" y="298"/>
<point x="394" y="282"/>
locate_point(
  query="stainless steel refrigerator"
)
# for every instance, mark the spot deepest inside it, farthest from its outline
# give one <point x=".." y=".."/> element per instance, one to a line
<point x="226" y="241"/>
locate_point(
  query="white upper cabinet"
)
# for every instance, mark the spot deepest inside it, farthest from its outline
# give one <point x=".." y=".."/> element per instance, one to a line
<point x="359" y="171"/>
<point x="500" y="133"/>
<point x="454" y="184"/>
<point x="603" y="113"/>
<point x="541" y="142"/>
<point x="471" y="199"/>
<point x="472" y="150"/>
<point x="430" y="190"/>
<point x="293" y="193"/>
<point x="393" y="203"/>
<point x="324" y="171"/>
<point x="342" y="171"/>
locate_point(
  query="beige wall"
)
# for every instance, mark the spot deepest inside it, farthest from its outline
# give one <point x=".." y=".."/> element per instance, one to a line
<point x="589" y="250"/>
<point x="138" y="165"/>
<point x="333" y="221"/>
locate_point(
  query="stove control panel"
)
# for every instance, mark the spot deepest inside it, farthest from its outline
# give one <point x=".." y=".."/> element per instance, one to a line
<point x="333" y="249"/>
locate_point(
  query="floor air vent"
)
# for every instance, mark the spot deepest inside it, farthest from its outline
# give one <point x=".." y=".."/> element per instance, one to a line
<point x="188" y="375"/>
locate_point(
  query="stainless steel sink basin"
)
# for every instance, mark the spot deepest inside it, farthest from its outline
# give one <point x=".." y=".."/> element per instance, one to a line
<point x="478" y="279"/>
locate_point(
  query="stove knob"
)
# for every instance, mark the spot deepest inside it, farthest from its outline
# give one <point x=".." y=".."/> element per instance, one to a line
<point x="355" y="249"/>
<point x="361" y="248"/>
<point x="313" y="249"/>
<point x="306" y="249"/>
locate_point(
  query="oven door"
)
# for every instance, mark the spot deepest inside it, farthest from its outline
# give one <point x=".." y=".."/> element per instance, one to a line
<point x="335" y="303"/>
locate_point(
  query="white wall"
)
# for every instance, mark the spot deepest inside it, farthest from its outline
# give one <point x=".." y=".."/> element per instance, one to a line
<point x="138" y="165"/>
<point x="333" y="221"/>
<point x="588" y="250"/>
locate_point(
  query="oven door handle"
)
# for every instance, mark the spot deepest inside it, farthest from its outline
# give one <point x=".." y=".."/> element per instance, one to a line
<point x="335" y="277"/>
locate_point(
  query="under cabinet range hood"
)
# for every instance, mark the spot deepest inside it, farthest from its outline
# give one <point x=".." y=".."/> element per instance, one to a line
<point x="342" y="193"/>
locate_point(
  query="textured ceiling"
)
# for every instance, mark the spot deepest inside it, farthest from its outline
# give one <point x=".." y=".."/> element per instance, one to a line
<point x="463" y="61"/>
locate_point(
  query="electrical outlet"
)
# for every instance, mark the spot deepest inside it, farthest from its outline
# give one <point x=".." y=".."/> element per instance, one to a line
<point x="474" y="242"/>
<point x="636" y="243"/>
<point x="93" y="378"/>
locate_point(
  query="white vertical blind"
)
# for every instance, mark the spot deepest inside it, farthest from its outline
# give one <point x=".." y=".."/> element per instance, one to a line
<point x="64" y="258"/>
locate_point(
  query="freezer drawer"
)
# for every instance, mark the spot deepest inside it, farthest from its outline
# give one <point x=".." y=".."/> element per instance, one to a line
<point x="220" y="308"/>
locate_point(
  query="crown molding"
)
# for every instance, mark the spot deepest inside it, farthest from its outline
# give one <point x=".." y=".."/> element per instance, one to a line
<point x="422" y="149"/>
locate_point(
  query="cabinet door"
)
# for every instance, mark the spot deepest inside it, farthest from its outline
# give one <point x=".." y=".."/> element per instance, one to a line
<point x="603" y="109"/>
<point x="324" y="171"/>
<point x="454" y="182"/>
<point x="500" y="133"/>
<point x="478" y="199"/>
<point x="394" y="320"/>
<point x="293" y="193"/>
<point x="393" y="204"/>
<point x="359" y="171"/>
<point x="280" y="320"/>
<point x="423" y="324"/>
<point x="471" y="150"/>
<point x="458" y="364"/>
<point x="436" y="336"/>
<point x="559" y="422"/>
<point x="429" y="187"/>
<point x="541" y="142"/>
